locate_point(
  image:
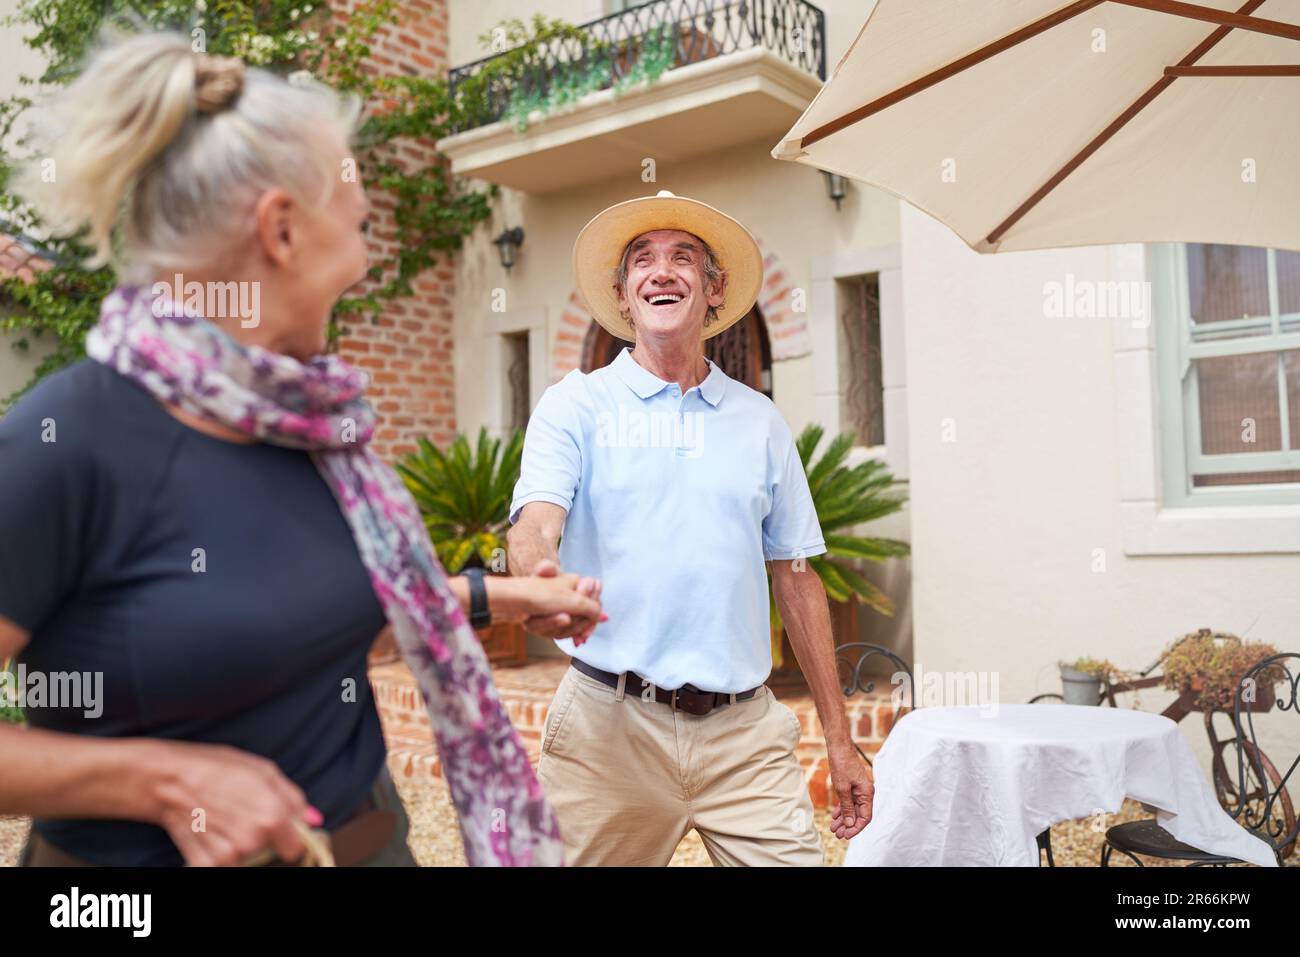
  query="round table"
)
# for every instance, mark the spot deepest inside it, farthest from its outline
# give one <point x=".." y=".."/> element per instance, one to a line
<point x="975" y="785"/>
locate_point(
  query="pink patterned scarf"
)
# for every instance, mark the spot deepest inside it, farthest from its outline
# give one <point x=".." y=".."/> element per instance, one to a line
<point x="183" y="359"/>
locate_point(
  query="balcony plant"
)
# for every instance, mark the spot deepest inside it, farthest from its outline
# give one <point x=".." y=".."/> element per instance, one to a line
<point x="549" y="64"/>
<point x="1209" y="665"/>
<point x="464" y="496"/>
<point x="844" y="498"/>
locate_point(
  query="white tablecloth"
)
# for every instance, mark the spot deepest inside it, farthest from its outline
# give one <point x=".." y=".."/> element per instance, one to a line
<point x="976" y="785"/>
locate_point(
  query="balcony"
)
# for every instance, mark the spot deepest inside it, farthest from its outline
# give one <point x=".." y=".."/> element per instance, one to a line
<point x="733" y="72"/>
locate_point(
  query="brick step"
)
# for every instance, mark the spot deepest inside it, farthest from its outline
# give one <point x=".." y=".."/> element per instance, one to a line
<point x="527" y="693"/>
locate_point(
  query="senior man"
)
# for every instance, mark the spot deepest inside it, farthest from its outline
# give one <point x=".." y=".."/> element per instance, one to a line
<point x="672" y="484"/>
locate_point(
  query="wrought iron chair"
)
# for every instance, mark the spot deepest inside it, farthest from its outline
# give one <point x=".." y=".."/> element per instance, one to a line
<point x="1257" y="800"/>
<point x="1045" y="838"/>
<point x="854" y="679"/>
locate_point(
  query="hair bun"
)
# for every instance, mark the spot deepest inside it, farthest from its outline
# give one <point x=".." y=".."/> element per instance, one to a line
<point x="218" y="81"/>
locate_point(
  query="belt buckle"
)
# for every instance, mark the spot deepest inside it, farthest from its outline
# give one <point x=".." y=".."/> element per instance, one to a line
<point x="693" y="690"/>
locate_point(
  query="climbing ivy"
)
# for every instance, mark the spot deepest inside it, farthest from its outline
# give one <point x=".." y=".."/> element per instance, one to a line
<point x="434" y="211"/>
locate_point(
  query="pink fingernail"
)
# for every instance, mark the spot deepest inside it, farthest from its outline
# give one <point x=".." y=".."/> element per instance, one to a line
<point x="313" y="817"/>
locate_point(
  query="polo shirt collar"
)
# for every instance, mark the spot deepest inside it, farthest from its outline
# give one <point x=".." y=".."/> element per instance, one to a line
<point x="645" y="383"/>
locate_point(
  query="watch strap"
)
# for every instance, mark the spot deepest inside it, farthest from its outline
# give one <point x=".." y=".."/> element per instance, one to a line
<point x="479" y="614"/>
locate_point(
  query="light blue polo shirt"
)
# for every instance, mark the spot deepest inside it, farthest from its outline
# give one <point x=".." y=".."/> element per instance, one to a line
<point x="674" y="502"/>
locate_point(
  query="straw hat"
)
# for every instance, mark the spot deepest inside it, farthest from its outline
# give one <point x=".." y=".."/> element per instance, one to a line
<point x="599" y="250"/>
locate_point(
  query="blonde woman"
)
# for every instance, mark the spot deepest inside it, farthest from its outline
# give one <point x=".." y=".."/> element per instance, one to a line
<point x="192" y="522"/>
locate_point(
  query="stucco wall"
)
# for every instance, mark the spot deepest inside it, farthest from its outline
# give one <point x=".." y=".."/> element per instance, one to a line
<point x="1006" y="519"/>
<point x="803" y="226"/>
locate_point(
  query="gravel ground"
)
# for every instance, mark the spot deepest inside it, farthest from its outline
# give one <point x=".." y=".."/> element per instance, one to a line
<point x="435" y="839"/>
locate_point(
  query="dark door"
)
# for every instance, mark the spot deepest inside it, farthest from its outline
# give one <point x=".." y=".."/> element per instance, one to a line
<point x="742" y="351"/>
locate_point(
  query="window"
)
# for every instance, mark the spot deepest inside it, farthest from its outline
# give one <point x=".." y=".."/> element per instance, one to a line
<point x="862" y="403"/>
<point x="517" y="379"/>
<point x="1229" y="353"/>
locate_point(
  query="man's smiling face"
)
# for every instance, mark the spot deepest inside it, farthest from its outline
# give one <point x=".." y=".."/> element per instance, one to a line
<point x="666" y="291"/>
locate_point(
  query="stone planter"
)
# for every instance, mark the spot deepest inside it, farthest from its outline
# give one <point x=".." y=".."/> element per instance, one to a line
<point x="1080" y="688"/>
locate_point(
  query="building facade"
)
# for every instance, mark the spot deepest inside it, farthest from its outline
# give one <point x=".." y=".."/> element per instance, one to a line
<point x="1068" y="491"/>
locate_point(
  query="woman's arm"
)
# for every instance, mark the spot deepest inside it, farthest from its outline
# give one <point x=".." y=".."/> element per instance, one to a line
<point x="66" y="775"/>
<point x="218" y="804"/>
<point x="515" y="599"/>
<point x="53" y="775"/>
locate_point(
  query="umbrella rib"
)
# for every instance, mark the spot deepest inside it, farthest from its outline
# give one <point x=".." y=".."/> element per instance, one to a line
<point x="1253" y="69"/>
<point x="1238" y="20"/>
<point x="1134" y="108"/>
<point x="941" y="74"/>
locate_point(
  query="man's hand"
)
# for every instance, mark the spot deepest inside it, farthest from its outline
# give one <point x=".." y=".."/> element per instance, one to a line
<point x="564" y="625"/>
<point x="854" y="790"/>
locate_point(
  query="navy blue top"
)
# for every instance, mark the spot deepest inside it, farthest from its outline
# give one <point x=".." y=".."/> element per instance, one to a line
<point x="263" y="650"/>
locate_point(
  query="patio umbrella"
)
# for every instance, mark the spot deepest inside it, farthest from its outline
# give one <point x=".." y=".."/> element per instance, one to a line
<point x="1031" y="124"/>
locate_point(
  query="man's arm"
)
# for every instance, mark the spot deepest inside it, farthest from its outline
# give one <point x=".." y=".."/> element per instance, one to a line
<point x="801" y="599"/>
<point x="532" y="548"/>
<point x="535" y="538"/>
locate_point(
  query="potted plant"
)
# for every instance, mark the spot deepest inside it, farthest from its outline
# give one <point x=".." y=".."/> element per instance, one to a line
<point x="1207" y="666"/>
<point x="844" y="498"/>
<point x="1081" y="680"/>
<point x="10" y="712"/>
<point x="464" y="495"/>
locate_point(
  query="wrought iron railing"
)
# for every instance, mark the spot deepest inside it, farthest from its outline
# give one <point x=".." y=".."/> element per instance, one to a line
<point x="608" y="49"/>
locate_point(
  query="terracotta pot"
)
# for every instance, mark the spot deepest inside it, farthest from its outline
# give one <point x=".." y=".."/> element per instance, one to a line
<point x="1263" y="702"/>
<point x="384" y="650"/>
<point x="506" y="644"/>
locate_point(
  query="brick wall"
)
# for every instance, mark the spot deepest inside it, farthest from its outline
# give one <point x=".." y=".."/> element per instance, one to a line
<point x="408" y="353"/>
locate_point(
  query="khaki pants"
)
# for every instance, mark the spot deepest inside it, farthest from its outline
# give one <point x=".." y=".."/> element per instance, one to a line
<point x="628" y="778"/>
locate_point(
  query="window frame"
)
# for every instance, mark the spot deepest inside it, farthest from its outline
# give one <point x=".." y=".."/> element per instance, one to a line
<point x="1177" y="349"/>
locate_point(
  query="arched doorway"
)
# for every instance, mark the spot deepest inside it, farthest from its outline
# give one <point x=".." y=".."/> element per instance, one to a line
<point x="742" y="351"/>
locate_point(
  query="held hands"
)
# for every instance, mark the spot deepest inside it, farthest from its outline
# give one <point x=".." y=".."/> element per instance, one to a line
<point x="560" y="619"/>
<point x="854" y="790"/>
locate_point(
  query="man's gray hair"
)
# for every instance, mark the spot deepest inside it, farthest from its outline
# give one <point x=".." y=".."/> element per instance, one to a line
<point x="713" y="273"/>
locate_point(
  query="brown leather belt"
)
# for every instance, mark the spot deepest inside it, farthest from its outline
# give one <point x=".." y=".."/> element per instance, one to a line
<point x="361" y="836"/>
<point x="687" y="698"/>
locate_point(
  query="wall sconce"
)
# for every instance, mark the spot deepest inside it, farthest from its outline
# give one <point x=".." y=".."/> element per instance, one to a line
<point x="836" y="185"/>
<point x="508" y="244"/>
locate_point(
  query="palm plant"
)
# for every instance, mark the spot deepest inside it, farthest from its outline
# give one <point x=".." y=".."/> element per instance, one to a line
<point x="9" y="710"/>
<point x="845" y="498"/>
<point x="464" y="495"/>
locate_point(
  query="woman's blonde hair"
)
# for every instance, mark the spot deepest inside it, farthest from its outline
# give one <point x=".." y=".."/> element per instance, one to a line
<point x="162" y="150"/>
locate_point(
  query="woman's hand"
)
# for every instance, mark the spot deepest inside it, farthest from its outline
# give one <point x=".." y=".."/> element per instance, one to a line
<point x="550" y="603"/>
<point x="221" y="805"/>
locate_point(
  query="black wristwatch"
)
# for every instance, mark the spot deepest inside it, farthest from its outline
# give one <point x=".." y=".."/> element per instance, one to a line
<point x="479" y="615"/>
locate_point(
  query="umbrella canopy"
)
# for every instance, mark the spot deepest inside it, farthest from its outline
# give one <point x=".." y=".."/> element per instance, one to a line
<point x="1030" y="124"/>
